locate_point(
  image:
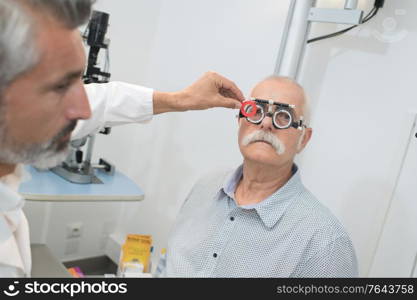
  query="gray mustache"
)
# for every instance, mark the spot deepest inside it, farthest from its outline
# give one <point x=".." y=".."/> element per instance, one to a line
<point x="265" y="136"/>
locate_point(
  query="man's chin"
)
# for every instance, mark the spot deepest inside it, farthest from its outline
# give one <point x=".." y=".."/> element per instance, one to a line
<point x="263" y="157"/>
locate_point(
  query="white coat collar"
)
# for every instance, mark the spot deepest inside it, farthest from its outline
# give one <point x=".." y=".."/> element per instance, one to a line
<point x="14" y="229"/>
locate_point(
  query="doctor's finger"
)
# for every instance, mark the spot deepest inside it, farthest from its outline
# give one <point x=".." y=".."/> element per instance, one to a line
<point x="229" y="102"/>
<point x="228" y="88"/>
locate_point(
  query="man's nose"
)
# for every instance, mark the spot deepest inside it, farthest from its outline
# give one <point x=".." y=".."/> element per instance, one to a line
<point x="78" y="107"/>
<point x="266" y="123"/>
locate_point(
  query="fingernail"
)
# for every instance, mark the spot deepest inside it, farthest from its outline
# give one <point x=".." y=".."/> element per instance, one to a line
<point x="238" y="105"/>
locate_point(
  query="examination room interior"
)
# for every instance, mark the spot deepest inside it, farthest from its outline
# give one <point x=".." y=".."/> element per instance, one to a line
<point x="361" y="159"/>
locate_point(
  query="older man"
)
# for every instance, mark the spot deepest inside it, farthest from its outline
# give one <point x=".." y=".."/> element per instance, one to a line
<point x="259" y="220"/>
<point x="42" y="97"/>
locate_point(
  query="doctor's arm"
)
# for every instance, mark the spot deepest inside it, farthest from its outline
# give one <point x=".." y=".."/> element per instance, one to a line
<point x="115" y="103"/>
<point x="118" y="103"/>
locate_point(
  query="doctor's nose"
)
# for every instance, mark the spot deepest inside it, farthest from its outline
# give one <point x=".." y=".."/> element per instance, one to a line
<point x="78" y="107"/>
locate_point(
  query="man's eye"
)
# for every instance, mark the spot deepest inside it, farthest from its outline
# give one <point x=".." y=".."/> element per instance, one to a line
<point x="62" y="87"/>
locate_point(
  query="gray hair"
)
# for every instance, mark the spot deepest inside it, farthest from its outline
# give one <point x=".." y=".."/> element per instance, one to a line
<point x="18" y="51"/>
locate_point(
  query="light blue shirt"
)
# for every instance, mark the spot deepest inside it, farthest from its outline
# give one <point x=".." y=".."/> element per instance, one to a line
<point x="289" y="234"/>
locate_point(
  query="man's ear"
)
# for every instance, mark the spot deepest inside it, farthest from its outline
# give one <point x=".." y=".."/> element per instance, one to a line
<point x="305" y="138"/>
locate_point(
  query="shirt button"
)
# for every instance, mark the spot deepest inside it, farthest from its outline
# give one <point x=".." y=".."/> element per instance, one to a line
<point x="214" y="255"/>
<point x="232" y="218"/>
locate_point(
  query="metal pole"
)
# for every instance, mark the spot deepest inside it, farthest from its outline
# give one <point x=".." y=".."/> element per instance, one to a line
<point x="294" y="39"/>
<point x="90" y="145"/>
<point x="351" y="4"/>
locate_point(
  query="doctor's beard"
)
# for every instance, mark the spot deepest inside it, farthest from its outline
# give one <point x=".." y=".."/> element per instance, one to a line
<point x="41" y="155"/>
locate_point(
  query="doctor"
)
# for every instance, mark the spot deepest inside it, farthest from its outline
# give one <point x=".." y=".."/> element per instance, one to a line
<point x="43" y="99"/>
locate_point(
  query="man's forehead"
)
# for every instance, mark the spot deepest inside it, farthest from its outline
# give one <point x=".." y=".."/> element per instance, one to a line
<point x="279" y="93"/>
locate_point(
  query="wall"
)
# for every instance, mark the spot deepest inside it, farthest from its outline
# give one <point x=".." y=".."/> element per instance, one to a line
<point x="362" y="86"/>
<point x="396" y="254"/>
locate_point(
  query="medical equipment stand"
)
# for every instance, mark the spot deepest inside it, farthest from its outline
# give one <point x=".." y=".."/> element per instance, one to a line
<point x="301" y="14"/>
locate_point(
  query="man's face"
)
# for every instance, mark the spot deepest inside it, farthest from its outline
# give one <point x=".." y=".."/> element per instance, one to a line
<point x="282" y="144"/>
<point x="40" y="108"/>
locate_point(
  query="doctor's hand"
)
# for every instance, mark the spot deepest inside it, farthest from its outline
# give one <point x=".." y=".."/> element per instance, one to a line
<point x="211" y="90"/>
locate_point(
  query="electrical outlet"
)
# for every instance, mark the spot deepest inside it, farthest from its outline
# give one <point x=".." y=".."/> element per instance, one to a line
<point x="74" y="230"/>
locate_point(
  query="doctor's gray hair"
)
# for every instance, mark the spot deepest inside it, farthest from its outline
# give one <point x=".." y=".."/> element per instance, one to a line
<point x="18" y="51"/>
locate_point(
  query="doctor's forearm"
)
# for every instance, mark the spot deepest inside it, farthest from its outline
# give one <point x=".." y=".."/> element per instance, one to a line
<point x="167" y="102"/>
<point x="211" y="90"/>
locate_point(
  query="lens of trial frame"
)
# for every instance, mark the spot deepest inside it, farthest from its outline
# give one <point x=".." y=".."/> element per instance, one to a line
<point x="282" y="119"/>
<point x="257" y="117"/>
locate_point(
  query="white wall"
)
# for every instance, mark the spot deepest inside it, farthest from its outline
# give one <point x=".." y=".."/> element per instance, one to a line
<point x="396" y="254"/>
<point x="362" y="85"/>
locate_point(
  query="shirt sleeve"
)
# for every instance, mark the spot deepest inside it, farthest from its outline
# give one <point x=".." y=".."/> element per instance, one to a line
<point x="115" y="103"/>
<point x="336" y="260"/>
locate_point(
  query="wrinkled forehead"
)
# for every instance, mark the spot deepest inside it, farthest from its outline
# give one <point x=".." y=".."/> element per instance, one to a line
<point x="280" y="91"/>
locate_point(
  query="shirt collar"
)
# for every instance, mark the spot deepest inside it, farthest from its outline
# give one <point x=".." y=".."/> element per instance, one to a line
<point x="231" y="181"/>
<point x="272" y="208"/>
